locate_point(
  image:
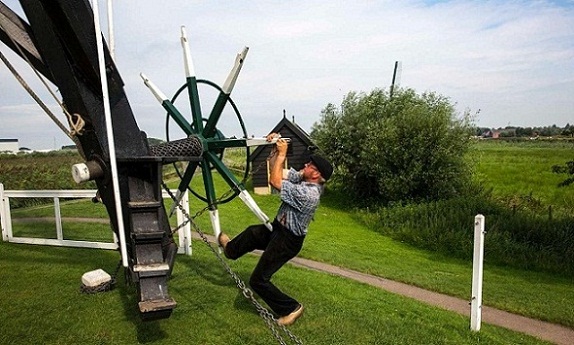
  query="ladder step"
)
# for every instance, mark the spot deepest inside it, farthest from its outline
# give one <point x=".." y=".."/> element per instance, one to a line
<point x="156" y="309"/>
<point x="151" y="270"/>
<point x="143" y="237"/>
<point x="143" y="204"/>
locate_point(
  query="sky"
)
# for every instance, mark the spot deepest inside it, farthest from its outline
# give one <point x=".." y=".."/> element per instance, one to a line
<point x="509" y="62"/>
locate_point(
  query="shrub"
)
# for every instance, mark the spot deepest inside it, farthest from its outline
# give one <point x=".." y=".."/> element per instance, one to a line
<point x="517" y="238"/>
<point x="406" y="148"/>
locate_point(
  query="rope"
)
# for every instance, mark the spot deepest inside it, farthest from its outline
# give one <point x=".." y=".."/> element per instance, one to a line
<point x="76" y="125"/>
<point x="34" y="95"/>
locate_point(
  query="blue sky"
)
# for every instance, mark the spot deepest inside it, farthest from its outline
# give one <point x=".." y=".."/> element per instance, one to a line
<point x="513" y="60"/>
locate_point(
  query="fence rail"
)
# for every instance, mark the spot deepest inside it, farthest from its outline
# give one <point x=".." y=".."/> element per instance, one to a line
<point x="184" y="233"/>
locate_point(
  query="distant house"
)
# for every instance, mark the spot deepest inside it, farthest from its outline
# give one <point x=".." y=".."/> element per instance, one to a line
<point x="298" y="154"/>
<point x="494" y="134"/>
<point x="9" y="145"/>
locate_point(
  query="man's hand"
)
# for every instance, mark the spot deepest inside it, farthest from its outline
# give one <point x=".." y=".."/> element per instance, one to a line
<point x="278" y="160"/>
<point x="272" y="136"/>
<point x="281" y="145"/>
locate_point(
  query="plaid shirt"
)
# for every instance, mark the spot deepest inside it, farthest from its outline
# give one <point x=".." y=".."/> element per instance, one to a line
<point x="299" y="199"/>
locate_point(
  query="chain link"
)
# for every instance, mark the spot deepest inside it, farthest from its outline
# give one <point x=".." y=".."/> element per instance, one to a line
<point x="269" y="319"/>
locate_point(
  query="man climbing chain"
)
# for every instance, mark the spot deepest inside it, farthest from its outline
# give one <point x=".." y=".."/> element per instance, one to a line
<point x="300" y="192"/>
<point x="270" y="321"/>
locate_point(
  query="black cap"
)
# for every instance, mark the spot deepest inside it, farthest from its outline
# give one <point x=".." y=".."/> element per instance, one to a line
<point x="323" y="165"/>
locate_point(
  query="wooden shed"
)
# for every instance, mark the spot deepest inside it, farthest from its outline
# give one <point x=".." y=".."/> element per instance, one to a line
<point x="298" y="153"/>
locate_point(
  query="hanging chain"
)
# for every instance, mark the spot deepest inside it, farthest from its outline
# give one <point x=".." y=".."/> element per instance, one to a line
<point x="265" y="314"/>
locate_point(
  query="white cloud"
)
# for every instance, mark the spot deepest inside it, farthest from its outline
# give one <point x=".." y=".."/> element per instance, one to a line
<point x="512" y="59"/>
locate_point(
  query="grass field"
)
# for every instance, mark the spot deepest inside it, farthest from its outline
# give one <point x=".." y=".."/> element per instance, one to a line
<point x="521" y="172"/>
<point x="41" y="286"/>
<point x="42" y="304"/>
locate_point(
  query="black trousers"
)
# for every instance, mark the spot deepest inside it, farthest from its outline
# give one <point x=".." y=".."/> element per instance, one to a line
<point x="279" y="246"/>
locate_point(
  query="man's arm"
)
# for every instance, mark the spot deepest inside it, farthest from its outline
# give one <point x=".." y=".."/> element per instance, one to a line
<point x="276" y="177"/>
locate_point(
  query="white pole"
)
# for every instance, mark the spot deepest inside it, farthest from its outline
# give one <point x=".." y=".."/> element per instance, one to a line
<point x="184" y="233"/>
<point x="187" y="227"/>
<point x="2" y="214"/>
<point x="477" y="268"/>
<point x="7" y="219"/>
<point x="214" y="217"/>
<point x="58" y="217"/>
<point x="248" y="200"/>
<point x="111" y="38"/>
<point x="110" y="132"/>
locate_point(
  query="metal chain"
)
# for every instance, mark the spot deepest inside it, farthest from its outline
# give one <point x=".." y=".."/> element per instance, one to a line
<point x="269" y="319"/>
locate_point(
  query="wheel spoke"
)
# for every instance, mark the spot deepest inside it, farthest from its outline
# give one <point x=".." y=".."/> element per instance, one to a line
<point x="196" y="117"/>
<point x="227" y="175"/>
<point x="168" y="105"/>
<point x="215" y="114"/>
<point x="208" y="183"/>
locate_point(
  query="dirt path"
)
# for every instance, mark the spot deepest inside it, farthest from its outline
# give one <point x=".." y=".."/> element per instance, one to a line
<point x="544" y="330"/>
<point x="540" y="329"/>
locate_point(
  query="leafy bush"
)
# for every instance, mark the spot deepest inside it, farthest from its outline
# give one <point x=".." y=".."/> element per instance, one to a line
<point x="517" y="238"/>
<point x="568" y="169"/>
<point x="406" y="148"/>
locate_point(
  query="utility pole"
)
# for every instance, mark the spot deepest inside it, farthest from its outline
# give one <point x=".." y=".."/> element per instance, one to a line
<point x="396" y="77"/>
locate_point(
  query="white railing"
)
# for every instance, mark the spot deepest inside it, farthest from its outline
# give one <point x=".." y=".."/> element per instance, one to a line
<point x="184" y="233"/>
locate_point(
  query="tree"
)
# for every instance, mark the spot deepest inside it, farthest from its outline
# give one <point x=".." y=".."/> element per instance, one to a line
<point x="408" y="147"/>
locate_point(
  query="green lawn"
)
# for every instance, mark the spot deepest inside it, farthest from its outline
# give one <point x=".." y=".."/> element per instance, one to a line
<point x="524" y="169"/>
<point x="339" y="237"/>
<point x="42" y="303"/>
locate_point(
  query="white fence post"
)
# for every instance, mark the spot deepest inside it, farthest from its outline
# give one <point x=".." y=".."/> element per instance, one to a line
<point x="3" y="214"/>
<point x="184" y="233"/>
<point x="477" y="268"/>
<point x="58" y="215"/>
